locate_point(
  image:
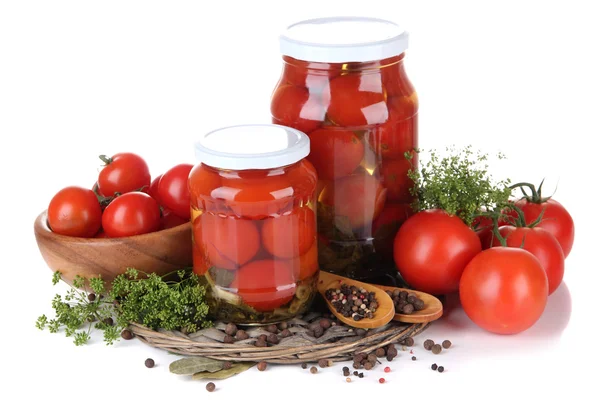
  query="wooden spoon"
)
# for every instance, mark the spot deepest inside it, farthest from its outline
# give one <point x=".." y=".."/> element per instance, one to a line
<point x="432" y="311"/>
<point x="384" y="313"/>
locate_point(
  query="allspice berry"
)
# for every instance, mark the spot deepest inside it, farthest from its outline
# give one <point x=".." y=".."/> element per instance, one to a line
<point x="282" y="326"/>
<point x="325" y="323"/>
<point x="126" y="334"/>
<point x="260" y="343"/>
<point x="408" y="342"/>
<point x="436" y="349"/>
<point x="231" y="329"/>
<point x="313" y="370"/>
<point x="304" y="365"/>
<point x="272" y="338"/>
<point x="286" y="333"/>
<point x="228" y="339"/>
<point x="272" y="328"/>
<point x="372" y="358"/>
<point x="323" y="363"/>
<point x="149" y="363"/>
<point x="227" y="365"/>
<point x="380" y="352"/>
<point x="446" y="344"/>
<point x="210" y="387"/>
<point x="262" y="366"/>
<point x="91" y="297"/>
<point x="318" y="331"/>
<point x="241" y="335"/>
<point x="428" y="344"/>
<point x="368" y="366"/>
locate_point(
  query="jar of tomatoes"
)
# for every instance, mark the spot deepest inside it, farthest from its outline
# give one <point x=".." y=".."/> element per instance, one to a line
<point x="344" y="84"/>
<point x="254" y="222"/>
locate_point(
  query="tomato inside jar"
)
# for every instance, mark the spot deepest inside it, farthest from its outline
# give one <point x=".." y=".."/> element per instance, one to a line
<point x="344" y="84"/>
<point x="253" y="200"/>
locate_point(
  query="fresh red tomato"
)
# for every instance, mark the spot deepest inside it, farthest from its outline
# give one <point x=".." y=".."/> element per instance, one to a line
<point x="295" y="107"/>
<point x="123" y="173"/>
<point x="290" y="235"/>
<point x="398" y="134"/>
<point x="131" y="214"/>
<point x="307" y="264"/>
<point x="265" y="284"/>
<point x="396" y="180"/>
<point x="171" y="220"/>
<point x="75" y="211"/>
<point x="431" y="250"/>
<point x="173" y="190"/>
<point x="542" y="245"/>
<point x="556" y="220"/>
<point x="335" y="153"/>
<point x="355" y="100"/>
<point x="359" y="198"/>
<point x="152" y="190"/>
<point x="504" y="290"/>
<point x="227" y="241"/>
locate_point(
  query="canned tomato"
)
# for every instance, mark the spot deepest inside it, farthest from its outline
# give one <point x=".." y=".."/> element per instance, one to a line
<point x="254" y="222"/>
<point x="344" y="84"/>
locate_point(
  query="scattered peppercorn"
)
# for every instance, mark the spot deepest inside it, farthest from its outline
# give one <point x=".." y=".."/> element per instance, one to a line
<point x="380" y="352"/>
<point x="353" y="302"/>
<point x="262" y="337"/>
<point x="210" y="387"/>
<point x="272" y="328"/>
<point x="241" y="335"/>
<point x="91" y="297"/>
<point x="227" y="365"/>
<point x="356" y="373"/>
<point x="387" y="369"/>
<point x="428" y="344"/>
<point x="282" y="325"/>
<point x="260" y="343"/>
<point x="348" y="379"/>
<point x="360" y="332"/>
<point x="323" y="363"/>
<point x="126" y="334"/>
<point x="231" y="329"/>
<point x="286" y="333"/>
<point x="149" y="362"/>
<point x="381" y="380"/>
<point x="272" y="338"/>
<point x="313" y="370"/>
<point x="440" y="369"/>
<point x="446" y="344"/>
<point x="408" y="342"/>
<point x="361" y="375"/>
<point x="304" y="365"/>
<point x="372" y="358"/>
<point x="228" y="339"/>
<point x="346" y="371"/>
<point x="262" y="366"/>
<point x="368" y="366"/>
<point x="325" y="323"/>
<point x="414" y="358"/>
<point x="436" y="349"/>
<point x="434" y="366"/>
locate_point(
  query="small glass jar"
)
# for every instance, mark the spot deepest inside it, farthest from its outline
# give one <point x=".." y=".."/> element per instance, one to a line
<point x="254" y="222"/>
<point x="344" y="84"/>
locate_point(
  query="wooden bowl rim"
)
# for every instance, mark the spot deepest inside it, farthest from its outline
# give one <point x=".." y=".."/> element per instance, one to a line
<point x="42" y="227"/>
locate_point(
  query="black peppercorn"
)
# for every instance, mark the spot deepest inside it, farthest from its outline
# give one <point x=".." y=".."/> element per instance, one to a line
<point x="380" y="352"/>
<point x="414" y="358"/>
<point x="272" y="328"/>
<point x="355" y="373"/>
<point x="227" y="365"/>
<point x="325" y="323"/>
<point x="210" y="387"/>
<point x="91" y="297"/>
<point x="440" y="369"/>
<point x="286" y="333"/>
<point x="434" y="366"/>
<point x="241" y="335"/>
<point x="231" y="329"/>
<point x="436" y="349"/>
<point x="228" y="339"/>
<point x="446" y="344"/>
<point x="428" y="344"/>
<point x="346" y="371"/>
<point x="304" y="365"/>
<point x="149" y="363"/>
<point x="262" y="366"/>
<point x="361" y="375"/>
<point x="126" y="334"/>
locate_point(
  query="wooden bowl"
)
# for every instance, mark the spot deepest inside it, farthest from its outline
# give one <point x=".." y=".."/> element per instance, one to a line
<point x="160" y="252"/>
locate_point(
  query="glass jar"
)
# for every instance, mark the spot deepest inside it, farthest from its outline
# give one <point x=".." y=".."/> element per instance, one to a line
<point x="254" y="222"/>
<point x="344" y="84"/>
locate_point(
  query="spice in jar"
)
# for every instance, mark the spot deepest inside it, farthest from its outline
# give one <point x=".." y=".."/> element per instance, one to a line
<point x="353" y="302"/>
<point x="428" y="344"/>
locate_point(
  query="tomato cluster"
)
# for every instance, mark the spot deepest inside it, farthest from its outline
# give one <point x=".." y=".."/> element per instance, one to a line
<point x="123" y="201"/>
<point x="254" y="232"/>
<point x="504" y="277"/>
<point x="361" y="119"/>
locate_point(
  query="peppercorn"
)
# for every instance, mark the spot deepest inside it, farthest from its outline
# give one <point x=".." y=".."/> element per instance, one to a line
<point x="346" y="371"/>
<point x="149" y="362"/>
<point x="348" y="379"/>
<point x="392" y="352"/>
<point x="260" y="343"/>
<point x="411" y="298"/>
<point x="380" y="352"/>
<point x="387" y="369"/>
<point x="227" y="365"/>
<point x="126" y="334"/>
<point x="408" y="309"/>
<point x="323" y="363"/>
<point x="381" y="380"/>
<point x="446" y="344"/>
<point x="262" y="366"/>
<point x="91" y="297"/>
<point x="304" y="365"/>
<point x="419" y="305"/>
<point x="286" y="333"/>
<point x="108" y="321"/>
<point x="241" y="335"/>
<point x="272" y="328"/>
<point x="440" y="369"/>
<point x="372" y="358"/>
<point x="368" y="366"/>
<point x="272" y="338"/>
<point x="282" y="325"/>
<point x="428" y="344"/>
<point x="210" y="386"/>
<point x="361" y="375"/>
<point x="414" y="358"/>
<point x="436" y="349"/>
<point x="318" y="331"/>
<point x="228" y="339"/>
<point x="356" y="373"/>
<point x="313" y="370"/>
<point x="408" y="342"/>
<point x="434" y="366"/>
<point x="356" y="365"/>
<point x="231" y="329"/>
<point x="360" y="332"/>
<point x="325" y="323"/>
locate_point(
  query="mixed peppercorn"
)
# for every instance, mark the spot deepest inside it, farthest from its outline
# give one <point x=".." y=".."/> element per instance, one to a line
<point x="353" y="302"/>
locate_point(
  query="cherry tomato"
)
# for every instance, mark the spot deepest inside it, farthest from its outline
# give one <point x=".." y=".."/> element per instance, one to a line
<point x="542" y="245"/>
<point x="395" y="80"/>
<point x="75" y="211"/>
<point x="290" y="235"/>
<point x="173" y="190"/>
<point x="335" y="153"/>
<point x="123" y="173"/>
<point x="504" y="290"/>
<point x="396" y="180"/>
<point x="359" y="198"/>
<point x="171" y="220"/>
<point x="265" y="284"/>
<point x="356" y="99"/>
<point x="131" y="214"/>
<point x="431" y="250"/>
<point x="398" y="134"/>
<point x="295" y="107"/>
<point x="307" y="264"/>
<point x="152" y="190"/>
<point x="556" y="220"/>
<point x="228" y="241"/>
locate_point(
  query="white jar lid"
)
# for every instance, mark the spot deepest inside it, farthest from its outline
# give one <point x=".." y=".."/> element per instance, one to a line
<point x="244" y="147"/>
<point x="343" y="39"/>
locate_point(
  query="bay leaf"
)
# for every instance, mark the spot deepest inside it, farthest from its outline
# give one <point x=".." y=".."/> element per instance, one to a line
<point x="224" y="373"/>
<point x="192" y="365"/>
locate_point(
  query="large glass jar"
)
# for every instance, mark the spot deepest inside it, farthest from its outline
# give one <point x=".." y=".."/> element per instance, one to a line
<point x="254" y="222"/>
<point x="344" y="84"/>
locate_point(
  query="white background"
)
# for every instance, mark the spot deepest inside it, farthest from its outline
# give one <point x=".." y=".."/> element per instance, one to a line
<point x="82" y="78"/>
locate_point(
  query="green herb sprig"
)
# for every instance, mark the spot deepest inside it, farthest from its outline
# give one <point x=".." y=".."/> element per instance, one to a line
<point x="458" y="183"/>
<point x="173" y="301"/>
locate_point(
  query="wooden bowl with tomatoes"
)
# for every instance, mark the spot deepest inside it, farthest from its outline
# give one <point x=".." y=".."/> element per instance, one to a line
<point x="160" y="252"/>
